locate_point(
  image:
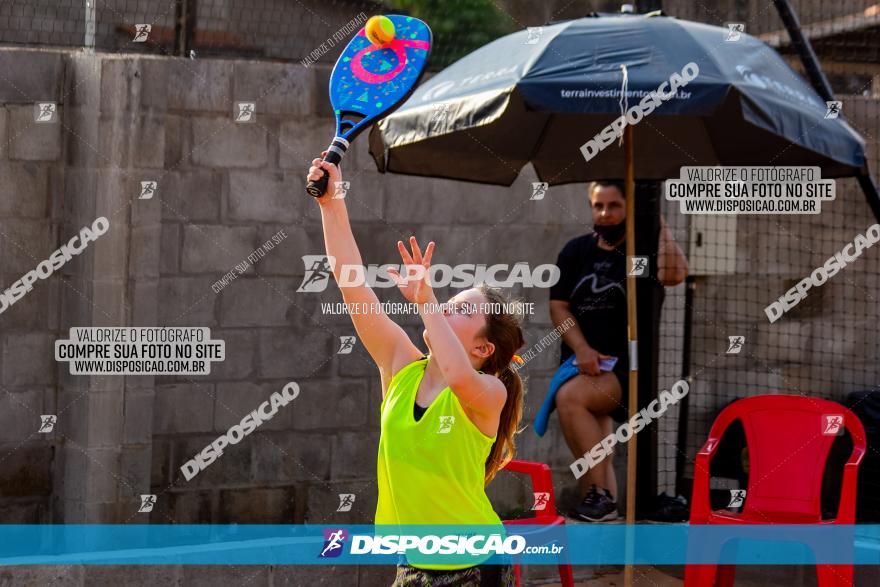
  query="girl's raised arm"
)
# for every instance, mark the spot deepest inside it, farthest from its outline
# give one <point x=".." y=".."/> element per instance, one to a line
<point x="387" y="343"/>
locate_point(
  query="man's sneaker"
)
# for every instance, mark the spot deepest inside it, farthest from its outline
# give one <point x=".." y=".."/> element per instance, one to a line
<point x="596" y="507"/>
<point x="670" y="509"/>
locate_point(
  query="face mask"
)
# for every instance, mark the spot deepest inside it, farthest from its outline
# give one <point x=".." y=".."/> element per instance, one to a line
<point x="611" y="233"/>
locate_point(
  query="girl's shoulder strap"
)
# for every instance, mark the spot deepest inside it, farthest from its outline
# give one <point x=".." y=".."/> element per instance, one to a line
<point x="394" y="386"/>
<point x="403" y="370"/>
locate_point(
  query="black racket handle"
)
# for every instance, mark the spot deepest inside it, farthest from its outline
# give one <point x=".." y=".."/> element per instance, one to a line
<point x="335" y="152"/>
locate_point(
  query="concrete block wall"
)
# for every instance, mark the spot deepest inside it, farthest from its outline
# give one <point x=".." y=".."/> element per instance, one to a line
<point x="277" y="29"/>
<point x="264" y="28"/>
<point x="31" y="221"/>
<point x="223" y="190"/>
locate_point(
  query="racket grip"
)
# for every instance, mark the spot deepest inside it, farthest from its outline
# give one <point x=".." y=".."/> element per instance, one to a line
<point x="335" y="152"/>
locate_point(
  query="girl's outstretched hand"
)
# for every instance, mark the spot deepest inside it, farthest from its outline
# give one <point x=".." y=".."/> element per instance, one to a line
<point x="414" y="286"/>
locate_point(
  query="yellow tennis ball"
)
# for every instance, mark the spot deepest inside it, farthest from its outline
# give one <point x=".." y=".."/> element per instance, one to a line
<point x="379" y="30"/>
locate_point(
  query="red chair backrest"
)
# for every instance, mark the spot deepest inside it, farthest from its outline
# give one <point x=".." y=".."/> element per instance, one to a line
<point x="788" y="438"/>
<point x="542" y="482"/>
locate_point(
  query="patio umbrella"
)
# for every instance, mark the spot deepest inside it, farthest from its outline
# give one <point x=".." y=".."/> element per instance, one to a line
<point x="539" y="96"/>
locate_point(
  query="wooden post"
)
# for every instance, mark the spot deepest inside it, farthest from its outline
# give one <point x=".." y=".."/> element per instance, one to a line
<point x="632" y="335"/>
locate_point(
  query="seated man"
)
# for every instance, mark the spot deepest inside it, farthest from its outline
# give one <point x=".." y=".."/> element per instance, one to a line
<point x="592" y="290"/>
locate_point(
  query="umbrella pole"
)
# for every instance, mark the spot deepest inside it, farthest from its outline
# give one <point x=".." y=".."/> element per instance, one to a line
<point x="632" y="335"/>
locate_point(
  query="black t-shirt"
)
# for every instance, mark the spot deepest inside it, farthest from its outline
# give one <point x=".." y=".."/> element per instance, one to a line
<point x="593" y="282"/>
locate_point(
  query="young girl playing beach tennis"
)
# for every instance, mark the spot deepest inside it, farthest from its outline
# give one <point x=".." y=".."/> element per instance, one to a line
<point x="448" y="417"/>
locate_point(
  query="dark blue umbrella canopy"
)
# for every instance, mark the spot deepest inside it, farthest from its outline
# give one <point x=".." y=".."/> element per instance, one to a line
<point x="538" y="95"/>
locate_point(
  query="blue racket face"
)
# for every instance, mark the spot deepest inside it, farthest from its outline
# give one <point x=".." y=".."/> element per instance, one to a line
<point x="370" y="80"/>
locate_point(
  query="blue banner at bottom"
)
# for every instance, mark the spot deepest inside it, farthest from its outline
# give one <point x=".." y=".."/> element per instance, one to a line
<point x="440" y="546"/>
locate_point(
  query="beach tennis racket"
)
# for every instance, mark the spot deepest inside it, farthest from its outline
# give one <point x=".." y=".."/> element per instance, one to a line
<point x="375" y="74"/>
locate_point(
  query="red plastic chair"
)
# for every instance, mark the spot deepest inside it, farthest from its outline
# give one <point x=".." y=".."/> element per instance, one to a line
<point x="542" y="483"/>
<point x="788" y="439"/>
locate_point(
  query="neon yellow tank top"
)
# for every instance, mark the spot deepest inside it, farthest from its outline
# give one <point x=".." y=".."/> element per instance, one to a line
<point x="430" y="471"/>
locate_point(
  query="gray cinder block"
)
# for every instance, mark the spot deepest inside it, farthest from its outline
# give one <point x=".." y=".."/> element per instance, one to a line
<point x="220" y="142"/>
<point x="31" y="76"/>
<point x="277" y="88"/>
<point x="261" y="197"/>
<point x="183" y="407"/>
<point x="215" y="248"/>
<point x="30" y="140"/>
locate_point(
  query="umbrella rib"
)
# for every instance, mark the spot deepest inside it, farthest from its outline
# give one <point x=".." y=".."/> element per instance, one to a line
<point x="540" y="142"/>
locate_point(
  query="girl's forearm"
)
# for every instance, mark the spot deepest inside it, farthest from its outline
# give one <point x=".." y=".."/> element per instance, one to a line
<point x="446" y="348"/>
<point x="338" y="237"/>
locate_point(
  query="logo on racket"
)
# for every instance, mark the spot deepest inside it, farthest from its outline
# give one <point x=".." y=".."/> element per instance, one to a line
<point x="397" y="47"/>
